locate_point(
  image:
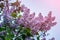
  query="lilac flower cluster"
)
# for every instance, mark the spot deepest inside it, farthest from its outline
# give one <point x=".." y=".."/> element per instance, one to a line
<point x="27" y="20"/>
<point x="36" y="24"/>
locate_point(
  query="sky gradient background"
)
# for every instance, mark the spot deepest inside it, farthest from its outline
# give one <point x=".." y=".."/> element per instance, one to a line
<point x="44" y="6"/>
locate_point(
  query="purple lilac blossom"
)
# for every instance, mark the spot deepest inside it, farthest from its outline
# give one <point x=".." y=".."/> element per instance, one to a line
<point x="36" y="23"/>
<point x="28" y="20"/>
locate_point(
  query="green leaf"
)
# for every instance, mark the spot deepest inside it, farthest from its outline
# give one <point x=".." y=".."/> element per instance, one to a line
<point x="23" y="36"/>
<point x="18" y="38"/>
<point x="6" y="38"/>
<point x="9" y="34"/>
<point x="2" y="28"/>
<point x="14" y="14"/>
<point x="37" y="33"/>
<point x="2" y="37"/>
<point x="38" y="38"/>
<point x="27" y="32"/>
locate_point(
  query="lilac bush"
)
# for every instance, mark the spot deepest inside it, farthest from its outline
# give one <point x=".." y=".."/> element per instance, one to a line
<point x="22" y="27"/>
